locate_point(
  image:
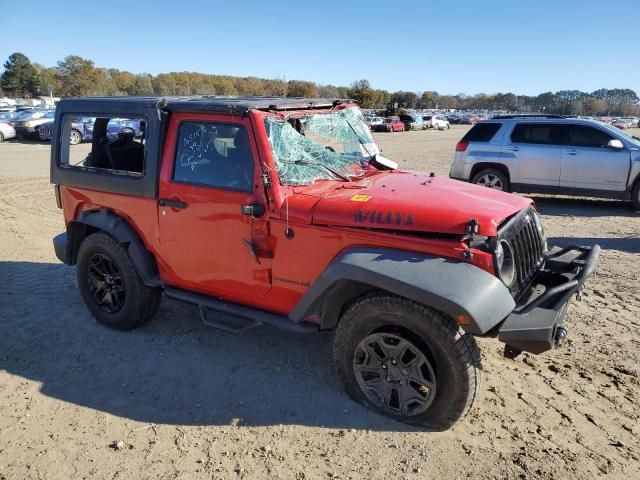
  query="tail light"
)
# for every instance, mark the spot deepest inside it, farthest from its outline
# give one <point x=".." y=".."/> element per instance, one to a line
<point x="461" y="146"/>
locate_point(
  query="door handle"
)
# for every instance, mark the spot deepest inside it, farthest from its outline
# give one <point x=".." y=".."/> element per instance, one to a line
<point x="571" y="152"/>
<point x="167" y="202"/>
<point x="514" y="149"/>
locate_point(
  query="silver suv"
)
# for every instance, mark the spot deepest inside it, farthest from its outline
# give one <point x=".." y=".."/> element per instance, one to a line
<point x="550" y="154"/>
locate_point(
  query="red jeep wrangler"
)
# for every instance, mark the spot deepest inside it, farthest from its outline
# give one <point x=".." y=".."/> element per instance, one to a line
<point x="282" y="211"/>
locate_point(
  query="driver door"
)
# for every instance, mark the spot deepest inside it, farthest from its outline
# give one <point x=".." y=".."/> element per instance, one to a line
<point x="210" y="170"/>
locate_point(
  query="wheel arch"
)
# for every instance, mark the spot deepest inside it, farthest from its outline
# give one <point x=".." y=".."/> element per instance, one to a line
<point x="106" y="221"/>
<point x="485" y="165"/>
<point x="477" y="300"/>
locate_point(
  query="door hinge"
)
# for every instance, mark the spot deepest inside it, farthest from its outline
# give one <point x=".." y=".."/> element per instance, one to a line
<point x="266" y="180"/>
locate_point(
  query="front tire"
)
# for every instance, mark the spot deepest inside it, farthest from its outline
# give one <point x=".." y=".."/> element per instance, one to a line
<point x="635" y="196"/>
<point x="110" y="286"/>
<point x="407" y="361"/>
<point x="492" y="178"/>
<point x="1" y="137"/>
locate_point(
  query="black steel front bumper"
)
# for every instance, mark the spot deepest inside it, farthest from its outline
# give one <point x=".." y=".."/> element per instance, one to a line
<point x="537" y="323"/>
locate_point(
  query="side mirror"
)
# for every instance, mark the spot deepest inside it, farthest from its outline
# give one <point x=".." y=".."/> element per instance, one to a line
<point x="384" y="163"/>
<point x="615" y="144"/>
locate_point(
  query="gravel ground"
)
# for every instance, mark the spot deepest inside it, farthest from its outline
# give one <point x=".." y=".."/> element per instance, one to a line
<point x="176" y="399"/>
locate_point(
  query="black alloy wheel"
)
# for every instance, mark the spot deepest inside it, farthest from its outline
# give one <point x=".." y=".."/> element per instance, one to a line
<point x="394" y="374"/>
<point x="106" y="283"/>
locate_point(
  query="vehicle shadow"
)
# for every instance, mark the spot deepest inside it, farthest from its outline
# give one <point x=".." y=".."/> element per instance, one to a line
<point x="173" y="370"/>
<point x="582" y="207"/>
<point x="629" y="244"/>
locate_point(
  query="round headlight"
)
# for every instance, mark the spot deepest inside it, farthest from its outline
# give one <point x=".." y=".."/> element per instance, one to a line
<point x="505" y="264"/>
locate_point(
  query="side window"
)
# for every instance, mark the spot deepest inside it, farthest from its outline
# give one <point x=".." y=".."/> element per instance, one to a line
<point x="106" y="143"/>
<point x="214" y="155"/>
<point x="481" y="132"/>
<point x="539" y="134"/>
<point x="583" y="136"/>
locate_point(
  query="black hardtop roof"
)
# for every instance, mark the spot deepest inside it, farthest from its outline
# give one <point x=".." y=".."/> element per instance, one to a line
<point x="206" y="103"/>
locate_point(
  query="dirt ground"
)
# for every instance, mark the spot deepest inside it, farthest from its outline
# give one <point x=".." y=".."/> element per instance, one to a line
<point x="179" y="400"/>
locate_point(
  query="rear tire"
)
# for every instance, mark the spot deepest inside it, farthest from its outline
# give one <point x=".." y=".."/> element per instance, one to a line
<point x="75" y="137"/>
<point x="430" y="380"/>
<point x="110" y="286"/>
<point x="635" y="196"/>
<point x="492" y="178"/>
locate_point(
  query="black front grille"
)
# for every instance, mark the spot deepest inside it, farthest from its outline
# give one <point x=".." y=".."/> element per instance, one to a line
<point x="527" y="244"/>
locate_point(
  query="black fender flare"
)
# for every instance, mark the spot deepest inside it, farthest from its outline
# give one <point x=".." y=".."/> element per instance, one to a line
<point x="106" y="221"/>
<point x="471" y="296"/>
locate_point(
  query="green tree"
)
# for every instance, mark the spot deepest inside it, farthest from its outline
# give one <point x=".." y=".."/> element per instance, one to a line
<point x="428" y="100"/>
<point x="47" y="78"/>
<point x="19" y="77"/>
<point x="404" y="99"/>
<point x="77" y="76"/>
<point x="362" y="93"/>
<point x="299" y="88"/>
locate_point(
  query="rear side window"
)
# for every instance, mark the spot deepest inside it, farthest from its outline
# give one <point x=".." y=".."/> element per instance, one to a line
<point x="481" y="132"/>
<point x="583" y="136"/>
<point x="107" y="143"/>
<point x="539" y="134"/>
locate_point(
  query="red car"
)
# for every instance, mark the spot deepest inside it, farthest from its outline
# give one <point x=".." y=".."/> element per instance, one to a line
<point x="390" y="124"/>
<point x="283" y="212"/>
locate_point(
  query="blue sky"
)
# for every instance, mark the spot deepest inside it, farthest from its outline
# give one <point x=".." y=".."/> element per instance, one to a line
<point x="448" y="46"/>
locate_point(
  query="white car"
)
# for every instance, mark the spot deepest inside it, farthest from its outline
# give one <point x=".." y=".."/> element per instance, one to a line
<point x="437" y="122"/>
<point x="6" y="131"/>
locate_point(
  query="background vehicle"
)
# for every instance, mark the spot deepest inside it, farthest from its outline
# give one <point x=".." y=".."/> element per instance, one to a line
<point x="6" y="131"/>
<point x="438" y="122"/>
<point x="467" y="120"/>
<point x="622" y="123"/>
<point x="27" y="123"/>
<point x="550" y="154"/>
<point x="371" y="121"/>
<point x="390" y="124"/>
<point x="406" y="267"/>
<point x="82" y="129"/>
<point x="413" y="122"/>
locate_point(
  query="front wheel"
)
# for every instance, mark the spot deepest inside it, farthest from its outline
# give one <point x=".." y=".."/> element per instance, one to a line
<point x="1" y="137"/>
<point x="492" y="178"/>
<point x="110" y="286"/>
<point x="407" y="361"/>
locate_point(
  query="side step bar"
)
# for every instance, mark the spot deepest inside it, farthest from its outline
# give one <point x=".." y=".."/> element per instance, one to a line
<point x="232" y="317"/>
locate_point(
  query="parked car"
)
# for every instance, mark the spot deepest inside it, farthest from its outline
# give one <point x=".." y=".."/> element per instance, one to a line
<point x="467" y="120"/>
<point x="437" y="122"/>
<point x="82" y="129"/>
<point x="390" y="124"/>
<point x="622" y="123"/>
<point x="412" y="122"/>
<point x="406" y="267"/>
<point x="371" y="121"/>
<point x="26" y="124"/>
<point x="550" y="154"/>
<point x="6" y="131"/>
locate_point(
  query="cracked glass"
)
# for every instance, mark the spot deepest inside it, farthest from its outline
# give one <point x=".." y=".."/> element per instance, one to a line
<point x="323" y="146"/>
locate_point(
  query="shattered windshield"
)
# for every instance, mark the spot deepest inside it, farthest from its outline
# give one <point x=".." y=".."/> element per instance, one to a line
<point x="328" y="146"/>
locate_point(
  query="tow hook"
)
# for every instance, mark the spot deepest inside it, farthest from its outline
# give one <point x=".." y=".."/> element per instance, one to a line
<point x="579" y="293"/>
<point x="561" y="335"/>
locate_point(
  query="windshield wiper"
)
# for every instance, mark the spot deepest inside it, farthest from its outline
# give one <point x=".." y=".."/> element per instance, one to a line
<point x="318" y="164"/>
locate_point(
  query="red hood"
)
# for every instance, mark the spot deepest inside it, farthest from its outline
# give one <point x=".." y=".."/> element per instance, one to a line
<point x="404" y="200"/>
